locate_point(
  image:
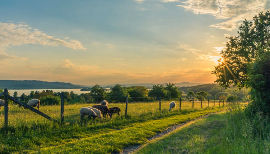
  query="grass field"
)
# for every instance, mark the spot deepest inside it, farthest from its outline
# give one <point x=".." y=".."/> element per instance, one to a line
<point x="227" y="133"/>
<point x="31" y="133"/>
<point x="20" y="116"/>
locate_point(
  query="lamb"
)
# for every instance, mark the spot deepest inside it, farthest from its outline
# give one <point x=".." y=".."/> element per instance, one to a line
<point x="97" y="111"/>
<point x="113" y="110"/>
<point x="104" y="102"/>
<point x="2" y="103"/>
<point x="103" y="108"/>
<point x="34" y="103"/>
<point x="87" y="111"/>
<point x="172" y="105"/>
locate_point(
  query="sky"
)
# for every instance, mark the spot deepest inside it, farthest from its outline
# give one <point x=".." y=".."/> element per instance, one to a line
<point x="103" y="42"/>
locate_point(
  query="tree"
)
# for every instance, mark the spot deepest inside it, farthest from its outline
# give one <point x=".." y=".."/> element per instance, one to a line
<point x="242" y="50"/>
<point x="137" y="93"/>
<point x="201" y="96"/>
<point x="97" y="93"/>
<point x="118" y="94"/>
<point x="172" y="91"/>
<point x="157" y="91"/>
<point x="190" y="95"/>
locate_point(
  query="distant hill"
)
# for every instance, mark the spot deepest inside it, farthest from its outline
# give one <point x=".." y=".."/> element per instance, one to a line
<point x="35" y="84"/>
<point x="150" y="85"/>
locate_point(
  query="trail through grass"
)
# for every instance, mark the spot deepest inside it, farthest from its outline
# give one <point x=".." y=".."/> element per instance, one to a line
<point x="95" y="137"/>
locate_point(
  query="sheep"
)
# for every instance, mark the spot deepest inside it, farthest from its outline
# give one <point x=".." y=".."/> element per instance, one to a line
<point x="103" y="108"/>
<point x="87" y="111"/>
<point x="97" y="111"/>
<point x="104" y="102"/>
<point x="113" y="110"/>
<point x="172" y="105"/>
<point x="34" y="103"/>
<point x="2" y="103"/>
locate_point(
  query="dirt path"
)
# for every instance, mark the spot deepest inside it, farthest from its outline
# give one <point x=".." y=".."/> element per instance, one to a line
<point x="163" y="134"/>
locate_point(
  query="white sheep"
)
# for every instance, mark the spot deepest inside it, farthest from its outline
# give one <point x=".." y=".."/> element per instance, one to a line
<point x="87" y="111"/>
<point x="104" y="102"/>
<point x="172" y="105"/>
<point x="34" y="103"/>
<point x="97" y="111"/>
<point x="2" y="103"/>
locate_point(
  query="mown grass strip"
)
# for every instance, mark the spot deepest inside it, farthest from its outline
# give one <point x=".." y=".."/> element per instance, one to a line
<point x="196" y="138"/>
<point x="116" y="140"/>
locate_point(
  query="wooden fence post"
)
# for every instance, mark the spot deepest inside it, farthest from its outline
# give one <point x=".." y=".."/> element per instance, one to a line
<point x="62" y="108"/>
<point x="159" y="104"/>
<point x="126" y="107"/>
<point x="208" y="102"/>
<point x="218" y="103"/>
<point x="180" y="105"/>
<point x="215" y="102"/>
<point x="6" y="107"/>
<point x="201" y="103"/>
<point x="223" y="103"/>
<point x="193" y="103"/>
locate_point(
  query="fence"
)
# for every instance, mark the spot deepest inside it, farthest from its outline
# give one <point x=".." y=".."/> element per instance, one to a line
<point x="159" y="106"/>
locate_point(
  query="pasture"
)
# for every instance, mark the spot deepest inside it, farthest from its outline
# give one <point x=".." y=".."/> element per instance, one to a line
<point x="20" y="116"/>
<point x="29" y="132"/>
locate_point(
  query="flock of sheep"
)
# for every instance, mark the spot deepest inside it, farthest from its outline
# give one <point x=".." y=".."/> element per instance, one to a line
<point x="99" y="111"/>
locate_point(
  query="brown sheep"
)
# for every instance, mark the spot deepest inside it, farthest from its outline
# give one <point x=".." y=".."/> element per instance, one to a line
<point x="113" y="110"/>
<point x="103" y="108"/>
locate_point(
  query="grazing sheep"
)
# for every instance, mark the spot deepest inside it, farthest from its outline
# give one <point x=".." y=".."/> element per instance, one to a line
<point x="103" y="108"/>
<point x="2" y="103"/>
<point x="172" y="105"/>
<point x="97" y="111"/>
<point x="113" y="110"/>
<point x="34" y="103"/>
<point x="87" y="111"/>
<point x="104" y="102"/>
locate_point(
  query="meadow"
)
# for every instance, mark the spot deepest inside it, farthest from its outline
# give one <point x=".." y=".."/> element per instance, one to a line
<point x="230" y="132"/>
<point x="20" y="116"/>
<point x="29" y="132"/>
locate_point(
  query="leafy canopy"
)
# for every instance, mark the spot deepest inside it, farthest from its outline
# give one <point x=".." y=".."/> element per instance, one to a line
<point x="250" y="44"/>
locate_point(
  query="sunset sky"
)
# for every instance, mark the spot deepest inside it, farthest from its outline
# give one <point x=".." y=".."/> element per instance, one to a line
<point x="117" y="41"/>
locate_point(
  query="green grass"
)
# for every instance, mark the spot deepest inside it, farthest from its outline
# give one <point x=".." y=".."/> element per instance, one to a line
<point x="228" y="133"/>
<point x="31" y="133"/>
<point x="19" y="116"/>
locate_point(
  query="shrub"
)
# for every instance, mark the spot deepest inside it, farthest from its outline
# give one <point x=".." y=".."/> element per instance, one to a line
<point x="49" y="100"/>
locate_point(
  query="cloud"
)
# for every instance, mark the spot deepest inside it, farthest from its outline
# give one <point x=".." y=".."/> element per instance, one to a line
<point x="19" y="34"/>
<point x="232" y="12"/>
<point x="168" y="1"/>
<point x="139" y="1"/>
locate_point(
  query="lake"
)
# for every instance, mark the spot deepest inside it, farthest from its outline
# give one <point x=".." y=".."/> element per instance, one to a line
<point x="28" y="91"/>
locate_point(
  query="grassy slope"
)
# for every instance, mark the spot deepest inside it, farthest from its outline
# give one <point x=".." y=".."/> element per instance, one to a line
<point x="100" y="137"/>
<point x="219" y="133"/>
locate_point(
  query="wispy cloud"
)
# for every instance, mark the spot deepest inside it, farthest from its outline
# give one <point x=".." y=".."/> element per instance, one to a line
<point x="139" y="1"/>
<point x="19" y="34"/>
<point x="232" y="12"/>
<point x="168" y="1"/>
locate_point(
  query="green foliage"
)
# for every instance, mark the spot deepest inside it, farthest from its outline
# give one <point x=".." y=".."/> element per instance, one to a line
<point x="260" y="83"/>
<point x="137" y="93"/>
<point x="49" y="100"/>
<point x="242" y="50"/>
<point x="157" y="91"/>
<point x="97" y="93"/>
<point x="201" y="95"/>
<point x="191" y="95"/>
<point x="172" y="91"/>
<point x="118" y="94"/>
<point x="232" y="98"/>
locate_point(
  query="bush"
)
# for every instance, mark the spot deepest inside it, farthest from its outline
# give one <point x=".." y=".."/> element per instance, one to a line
<point x="49" y="100"/>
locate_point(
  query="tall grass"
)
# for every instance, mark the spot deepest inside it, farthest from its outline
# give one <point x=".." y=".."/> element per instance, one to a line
<point x="243" y="133"/>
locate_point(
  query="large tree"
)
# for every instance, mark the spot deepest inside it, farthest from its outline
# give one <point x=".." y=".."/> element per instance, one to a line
<point x="250" y="44"/>
<point x="172" y="91"/>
